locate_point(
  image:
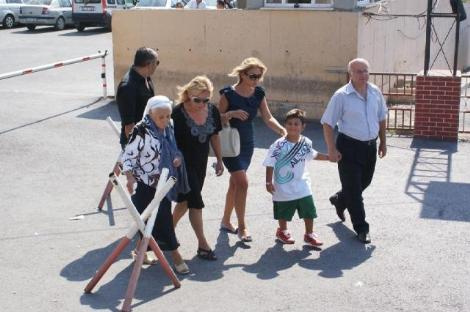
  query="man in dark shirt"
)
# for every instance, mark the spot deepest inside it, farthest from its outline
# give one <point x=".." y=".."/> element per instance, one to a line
<point x="230" y="4"/>
<point x="135" y="89"/>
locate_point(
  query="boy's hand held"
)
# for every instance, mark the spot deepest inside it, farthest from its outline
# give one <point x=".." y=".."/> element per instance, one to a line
<point x="270" y="187"/>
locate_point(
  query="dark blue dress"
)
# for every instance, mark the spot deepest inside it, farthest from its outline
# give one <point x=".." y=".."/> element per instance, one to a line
<point x="245" y="128"/>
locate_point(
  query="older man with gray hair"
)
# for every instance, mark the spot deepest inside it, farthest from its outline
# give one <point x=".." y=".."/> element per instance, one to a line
<point x="135" y="89"/>
<point x="359" y="110"/>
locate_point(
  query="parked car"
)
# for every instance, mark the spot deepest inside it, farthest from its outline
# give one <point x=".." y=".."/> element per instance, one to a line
<point x="87" y="13"/>
<point x="57" y="13"/>
<point x="9" y="11"/>
<point x="212" y="4"/>
<point x="155" y="4"/>
<point x="167" y="4"/>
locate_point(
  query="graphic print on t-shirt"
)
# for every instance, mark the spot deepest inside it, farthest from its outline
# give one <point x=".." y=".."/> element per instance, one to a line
<point x="287" y="156"/>
<point x="291" y="179"/>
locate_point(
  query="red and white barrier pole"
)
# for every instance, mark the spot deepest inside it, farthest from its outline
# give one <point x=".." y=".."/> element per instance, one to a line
<point x="103" y="75"/>
<point x="116" y="168"/>
<point x="108" y="262"/>
<point x="113" y="126"/>
<point x="82" y="59"/>
<point x="131" y="287"/>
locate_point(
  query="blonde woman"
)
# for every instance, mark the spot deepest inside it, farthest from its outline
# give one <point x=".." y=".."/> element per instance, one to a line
<point x="196" y="123"/>
<point x="239" y="105"/>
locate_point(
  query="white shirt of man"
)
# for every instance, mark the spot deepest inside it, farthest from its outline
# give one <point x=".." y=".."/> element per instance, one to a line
<point x="194" y="5"/>
<point x="291" y="179"/>
<point x="356" y="116"/>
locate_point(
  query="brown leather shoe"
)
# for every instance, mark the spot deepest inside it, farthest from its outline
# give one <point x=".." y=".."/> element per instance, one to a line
<point x="339" y="210"/>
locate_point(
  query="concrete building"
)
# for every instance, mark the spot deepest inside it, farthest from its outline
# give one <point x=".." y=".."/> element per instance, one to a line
<point x="306" y="49"/>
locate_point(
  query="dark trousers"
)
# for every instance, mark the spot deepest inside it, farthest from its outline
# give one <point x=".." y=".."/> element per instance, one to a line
<point x="356" y="169"/>
<point x="163" y="231"/>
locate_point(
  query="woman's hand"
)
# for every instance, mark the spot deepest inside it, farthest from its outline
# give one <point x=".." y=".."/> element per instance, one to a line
<point x="176" y="162"/>
<point x="219" y="167"/>
<point x="130" y="183"/>
<point x="239" y="114"/>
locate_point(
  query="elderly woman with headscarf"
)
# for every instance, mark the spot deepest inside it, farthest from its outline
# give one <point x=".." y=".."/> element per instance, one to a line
<point x="151" y="148"/>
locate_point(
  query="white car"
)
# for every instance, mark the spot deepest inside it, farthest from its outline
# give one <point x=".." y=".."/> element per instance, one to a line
<point x="210" y="4"/>
<point x="57" y="13"/>
<point x="168" y="4"/>
<point x="155" y="4"/>
<point x="86" y="13"/>
<point x="9" y="12"/>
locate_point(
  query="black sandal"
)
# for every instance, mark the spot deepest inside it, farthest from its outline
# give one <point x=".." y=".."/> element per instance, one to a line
<point x="206" y="254"/>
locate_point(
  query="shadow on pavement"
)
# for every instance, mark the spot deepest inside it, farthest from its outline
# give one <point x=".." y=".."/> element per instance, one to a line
<point x="87" y="32"/>
<point x="50" y="117"/>
<point x="429" y="182"/>
<point x="153" y="283"/>
<point x="109" y="295"/>
<point x="347" y="254"/>
<point x="42" y="29"/>
<point x="276" y="259"/>
<point x="102" y="112"/>
<point x="447" y="201"/>
<point x="204" y="271"/>
<point x="84" y="268"/>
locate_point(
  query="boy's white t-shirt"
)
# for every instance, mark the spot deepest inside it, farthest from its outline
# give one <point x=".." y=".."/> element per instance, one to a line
<point x="291" y="180"/>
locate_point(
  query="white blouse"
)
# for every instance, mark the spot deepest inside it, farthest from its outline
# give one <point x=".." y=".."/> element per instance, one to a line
<point x="142" y="156"/>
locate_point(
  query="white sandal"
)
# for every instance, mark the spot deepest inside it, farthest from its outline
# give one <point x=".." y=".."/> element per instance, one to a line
<point x="149" y="260"/>
<point x="182" y="268"/>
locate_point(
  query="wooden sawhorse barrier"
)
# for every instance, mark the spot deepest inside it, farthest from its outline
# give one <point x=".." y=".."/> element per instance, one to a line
<point x="150" y="213"/>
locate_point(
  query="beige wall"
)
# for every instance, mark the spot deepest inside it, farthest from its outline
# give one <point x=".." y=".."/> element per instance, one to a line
<point x="302" y="49"/>
<point x="464" y="53"/>
<point x="397" y="45"/>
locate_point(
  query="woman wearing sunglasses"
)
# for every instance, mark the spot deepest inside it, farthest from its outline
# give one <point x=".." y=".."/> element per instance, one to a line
<point x="196" y="123"/>
<point x="239" y="105"/>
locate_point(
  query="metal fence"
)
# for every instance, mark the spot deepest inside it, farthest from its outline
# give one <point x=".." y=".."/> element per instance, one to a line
<point x="399" y="92"/>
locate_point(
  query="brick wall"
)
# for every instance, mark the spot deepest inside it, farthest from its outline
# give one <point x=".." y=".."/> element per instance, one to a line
<point x="437" y="107"/>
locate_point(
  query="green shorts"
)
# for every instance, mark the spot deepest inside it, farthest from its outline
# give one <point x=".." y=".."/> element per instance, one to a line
<point x="285" y="210"/>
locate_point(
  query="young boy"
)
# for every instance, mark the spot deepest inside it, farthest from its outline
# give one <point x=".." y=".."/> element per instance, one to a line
<point x="289" y="182"/>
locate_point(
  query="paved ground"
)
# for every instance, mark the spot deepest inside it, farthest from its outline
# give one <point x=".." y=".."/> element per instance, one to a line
<point x="56" y="151"/>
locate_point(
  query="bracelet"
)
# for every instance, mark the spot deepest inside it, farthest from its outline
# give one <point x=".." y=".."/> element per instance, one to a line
<point x="268" y="183"/>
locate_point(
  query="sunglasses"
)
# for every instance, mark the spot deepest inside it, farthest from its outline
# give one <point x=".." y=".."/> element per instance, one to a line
<point x="254" y="76"/>
<point x="198" y="100"/>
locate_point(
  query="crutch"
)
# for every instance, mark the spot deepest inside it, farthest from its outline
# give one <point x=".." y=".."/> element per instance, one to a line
<point x="116" y="168"/>
<point x="163" y="187"/>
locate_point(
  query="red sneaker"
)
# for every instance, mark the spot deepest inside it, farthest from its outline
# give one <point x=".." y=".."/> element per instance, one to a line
<point x="312" y="239"/>
<point x="284" y="236"/>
